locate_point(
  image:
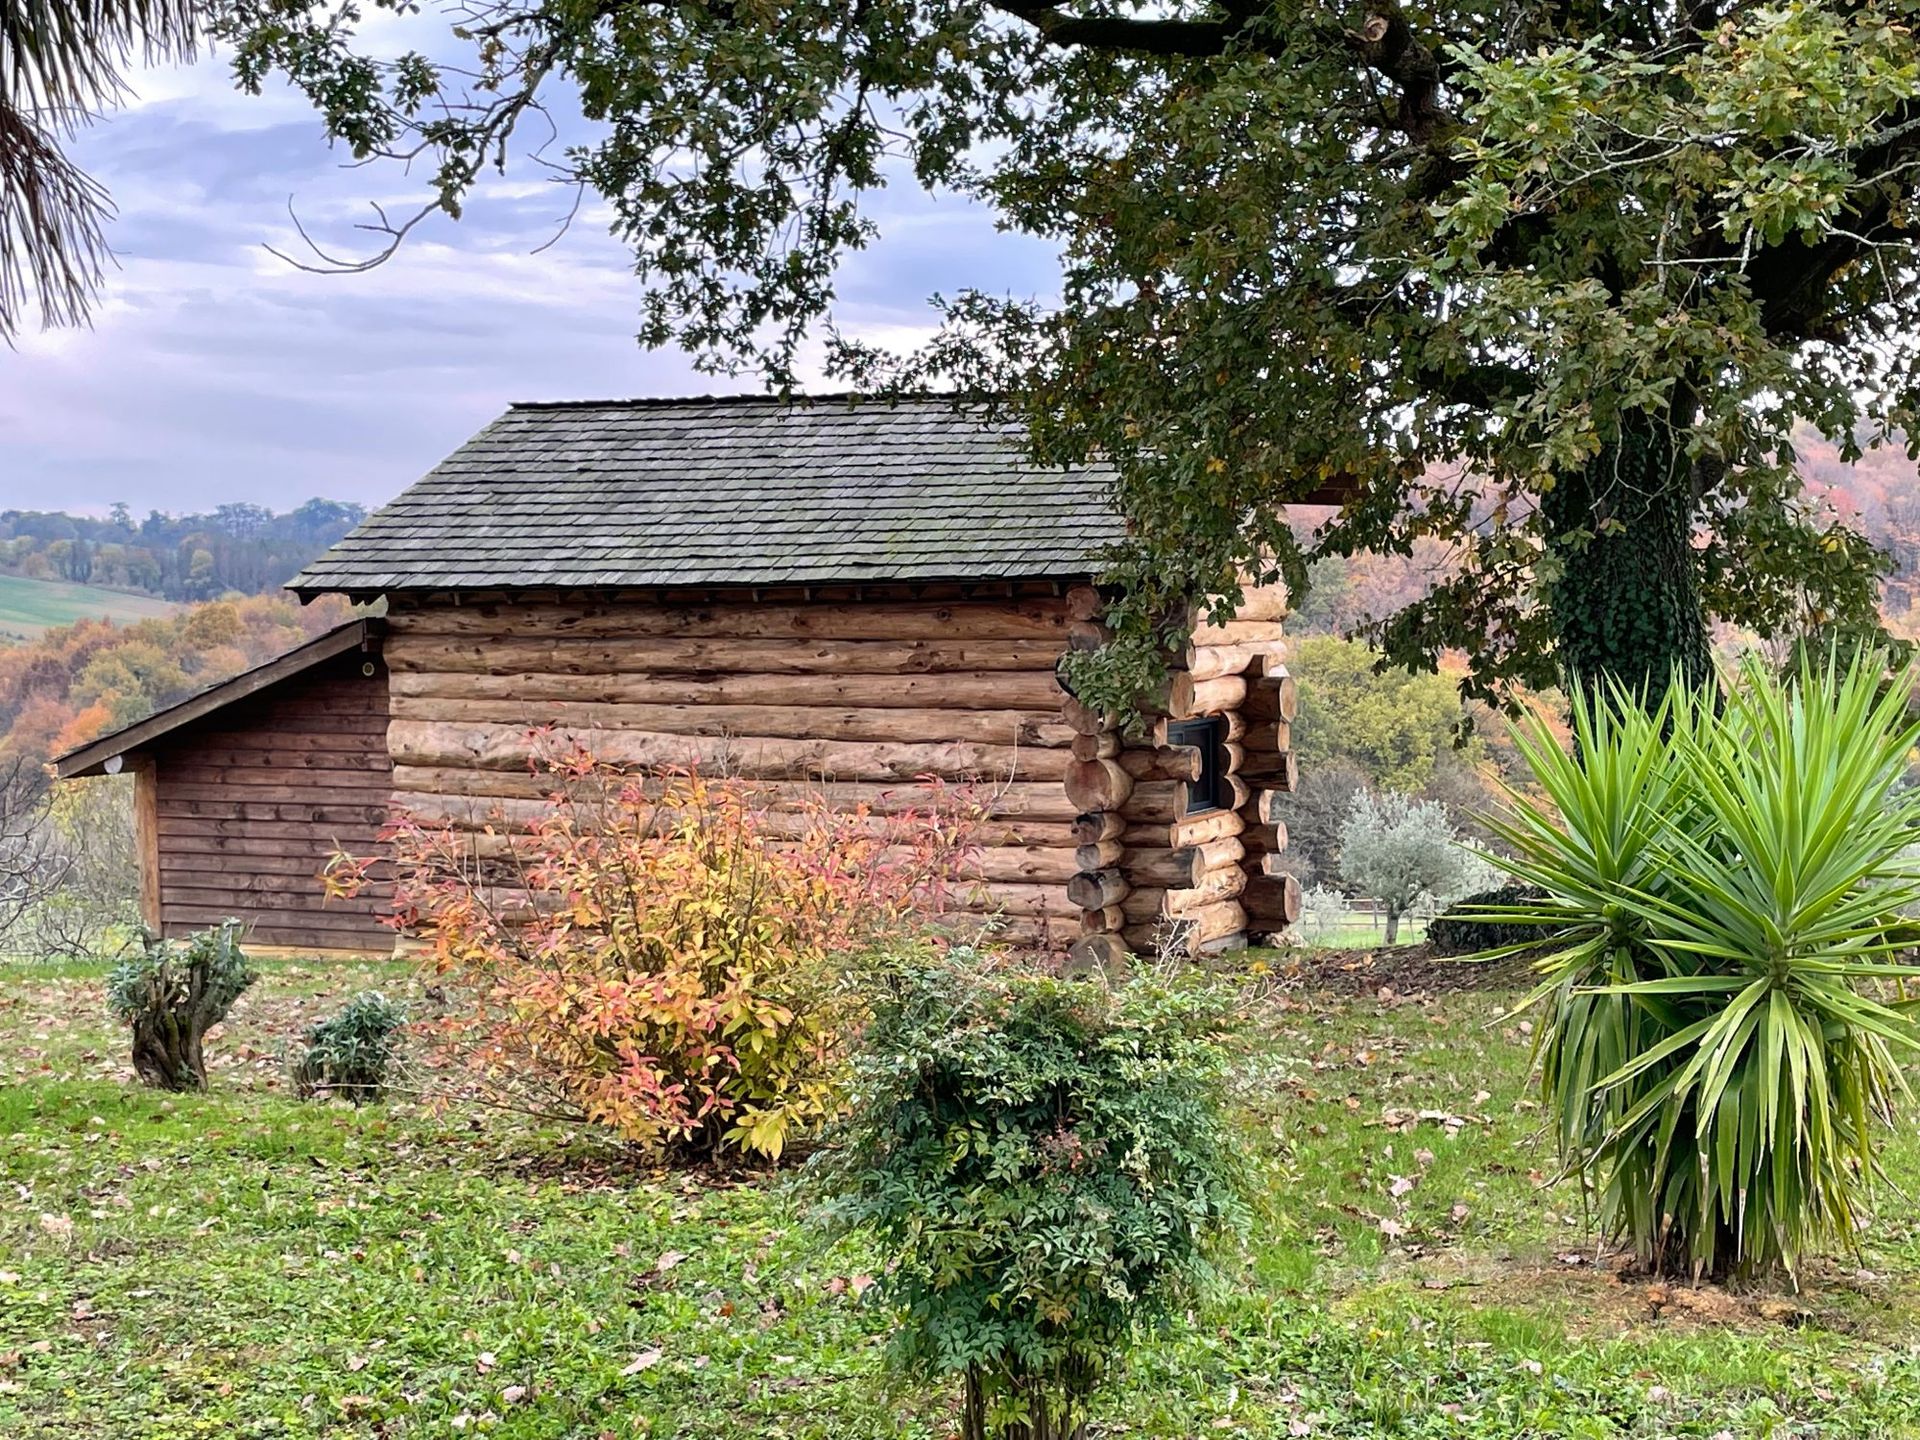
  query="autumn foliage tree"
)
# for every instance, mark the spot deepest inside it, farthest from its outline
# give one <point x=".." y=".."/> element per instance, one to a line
<point x="78" y="681"/>
<point x="1601" y="259"/>
<point x="660" y="954"/>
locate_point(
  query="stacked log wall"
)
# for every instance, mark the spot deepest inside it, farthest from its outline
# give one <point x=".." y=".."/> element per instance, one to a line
<point x="246" y="807"/>
<point x="1153" y="876"/>
<point x="859" y="695"/>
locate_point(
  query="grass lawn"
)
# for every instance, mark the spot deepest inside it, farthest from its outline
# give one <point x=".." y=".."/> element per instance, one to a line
<point x="29" y="606"/>
<point x="1361" y="931"/>
<point x="239" y="1264"/>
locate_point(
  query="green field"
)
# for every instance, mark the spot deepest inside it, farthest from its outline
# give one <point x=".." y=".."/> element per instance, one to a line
<point x="238" y="1264"/>
<point x="29" y="606"/>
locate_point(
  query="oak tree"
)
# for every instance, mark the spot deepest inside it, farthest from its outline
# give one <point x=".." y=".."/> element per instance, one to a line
<point x="1551" y="279"/>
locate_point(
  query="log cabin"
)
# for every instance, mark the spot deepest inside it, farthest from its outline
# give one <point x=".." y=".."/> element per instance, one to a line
<point x="828" y="593"/>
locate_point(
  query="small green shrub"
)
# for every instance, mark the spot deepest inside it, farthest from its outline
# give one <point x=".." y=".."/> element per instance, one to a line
<point x="349" y="1054"/>
<point x="171" y="992"/>
<point x="1723" y="889"/>
<point x="1461" y="928"/>
<point x="1042" y="1163"/>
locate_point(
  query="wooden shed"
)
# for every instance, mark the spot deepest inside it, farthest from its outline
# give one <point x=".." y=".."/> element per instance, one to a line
<point x="849" y="596"/>
<point x="242" y="792"/>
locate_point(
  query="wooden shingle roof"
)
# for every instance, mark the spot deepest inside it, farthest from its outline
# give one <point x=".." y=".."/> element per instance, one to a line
<point x="732" y="491"/>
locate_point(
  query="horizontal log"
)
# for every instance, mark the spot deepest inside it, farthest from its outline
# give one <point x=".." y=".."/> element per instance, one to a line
<point x="1110" y="919"/>
<point x="1194" y="698"/>
<point x="1163" y="869"/>
<point x="1035" y="800"/>
<point x="1035" y="690"/>
<point x="1265" y="839"/>
<point x="1097" y="889"/>
<point x="1275" y="770"/>
<point x="476" y="815"/>
<point x="1184" y="830"/>
<point x="1102" y="954"/>
<point x="1263" y="737"/>
<point x="1272" y="901"/>
<point x="1273" y="697"/>
<point x="1084" y="720"/>
<point x="1032" y="618"/>
<point x="1224" y="883"/>
<point x="1099" y="854"/>
<point x="1097" y="785"/>
<point x="1041" y="729"/>
<point x="1162" y="762"/>
<point x="1037" y="932"/>
<point x="1158" y="801"/>
<point x="1009" y="899"/>
<point x="1085" y="635"/>
<point x="1210" y="662"/>
<point x="507" y="747"/>
<point x="1263" y="602"/>
<point x="1265" y="807"/>
<point x="1098" y="825"/>
<point x="1085" y="602"/>
<point x="507" y="656"/>
<point x="1101" y="746"/>
<point x="1032" y="864"/>
<point x="1188" y="933"/>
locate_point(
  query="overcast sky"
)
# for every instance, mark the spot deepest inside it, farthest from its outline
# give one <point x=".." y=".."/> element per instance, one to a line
<point x="216" y="372"/>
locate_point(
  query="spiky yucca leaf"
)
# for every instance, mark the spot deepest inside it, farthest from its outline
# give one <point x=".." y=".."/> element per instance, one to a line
<point x="1724" y="896"/>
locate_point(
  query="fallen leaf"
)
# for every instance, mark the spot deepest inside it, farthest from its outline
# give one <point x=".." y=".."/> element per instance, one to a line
<point x="667" y="1261"/>
<point x="645" y="1360"/>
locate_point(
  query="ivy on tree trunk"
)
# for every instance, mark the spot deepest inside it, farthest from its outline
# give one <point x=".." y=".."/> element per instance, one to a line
<point x="1624" y="588"/>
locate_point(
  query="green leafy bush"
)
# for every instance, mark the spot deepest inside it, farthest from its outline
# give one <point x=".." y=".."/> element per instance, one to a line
<point x="1042" y="1162"/>
<point x="349" y="1054"/>
<point x="1722" y="893"/>
<point x="1462" y="927"/>
<point x="171" y="992"/>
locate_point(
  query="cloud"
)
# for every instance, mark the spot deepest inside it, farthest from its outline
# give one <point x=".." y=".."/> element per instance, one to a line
<point x="216" y="372"/>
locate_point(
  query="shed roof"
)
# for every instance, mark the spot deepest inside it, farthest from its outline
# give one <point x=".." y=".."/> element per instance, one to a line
<point x="92" y="758"/>
<point x="729" y="491"/>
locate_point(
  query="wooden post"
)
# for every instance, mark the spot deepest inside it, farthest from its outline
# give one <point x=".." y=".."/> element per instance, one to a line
<point x="146" y="837"/>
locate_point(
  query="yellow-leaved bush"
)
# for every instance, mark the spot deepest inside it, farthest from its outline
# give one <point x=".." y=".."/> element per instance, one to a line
<point x="662" y="953"/>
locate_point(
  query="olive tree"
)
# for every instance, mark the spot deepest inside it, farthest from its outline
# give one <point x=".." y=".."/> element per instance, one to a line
<point x="1401" y="851"/>
<point x="1553" y="281"/>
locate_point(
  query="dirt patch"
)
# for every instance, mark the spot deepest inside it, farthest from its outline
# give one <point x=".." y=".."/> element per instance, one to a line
<point x="1601" y="1294"/>
<point x="1401" y="969"/>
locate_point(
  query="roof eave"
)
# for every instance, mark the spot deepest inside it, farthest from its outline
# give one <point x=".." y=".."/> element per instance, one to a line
<point x="91" y="758"/>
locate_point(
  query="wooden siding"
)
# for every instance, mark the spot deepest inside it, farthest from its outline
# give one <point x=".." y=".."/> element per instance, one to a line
<point x="251" y="800"/>
<point x="858" y="693"/>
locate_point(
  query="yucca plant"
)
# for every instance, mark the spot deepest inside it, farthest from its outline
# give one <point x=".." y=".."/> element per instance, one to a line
<point x="1721" y="1003"/>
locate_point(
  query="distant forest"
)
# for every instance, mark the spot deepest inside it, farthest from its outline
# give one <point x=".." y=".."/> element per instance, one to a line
<point x="236" y="548"/>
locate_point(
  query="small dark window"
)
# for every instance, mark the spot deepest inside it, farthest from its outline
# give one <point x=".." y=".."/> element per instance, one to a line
<point x="1209" y="737"/>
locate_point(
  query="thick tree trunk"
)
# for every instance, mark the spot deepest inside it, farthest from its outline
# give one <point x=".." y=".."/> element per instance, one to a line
<point x="1626" y="599"/>
<point x="1393" y="924"/>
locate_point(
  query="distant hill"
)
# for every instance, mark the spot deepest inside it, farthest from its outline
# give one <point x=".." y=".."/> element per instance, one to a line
<point x="243" y="549"/>
<point x="29" y="607"/>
